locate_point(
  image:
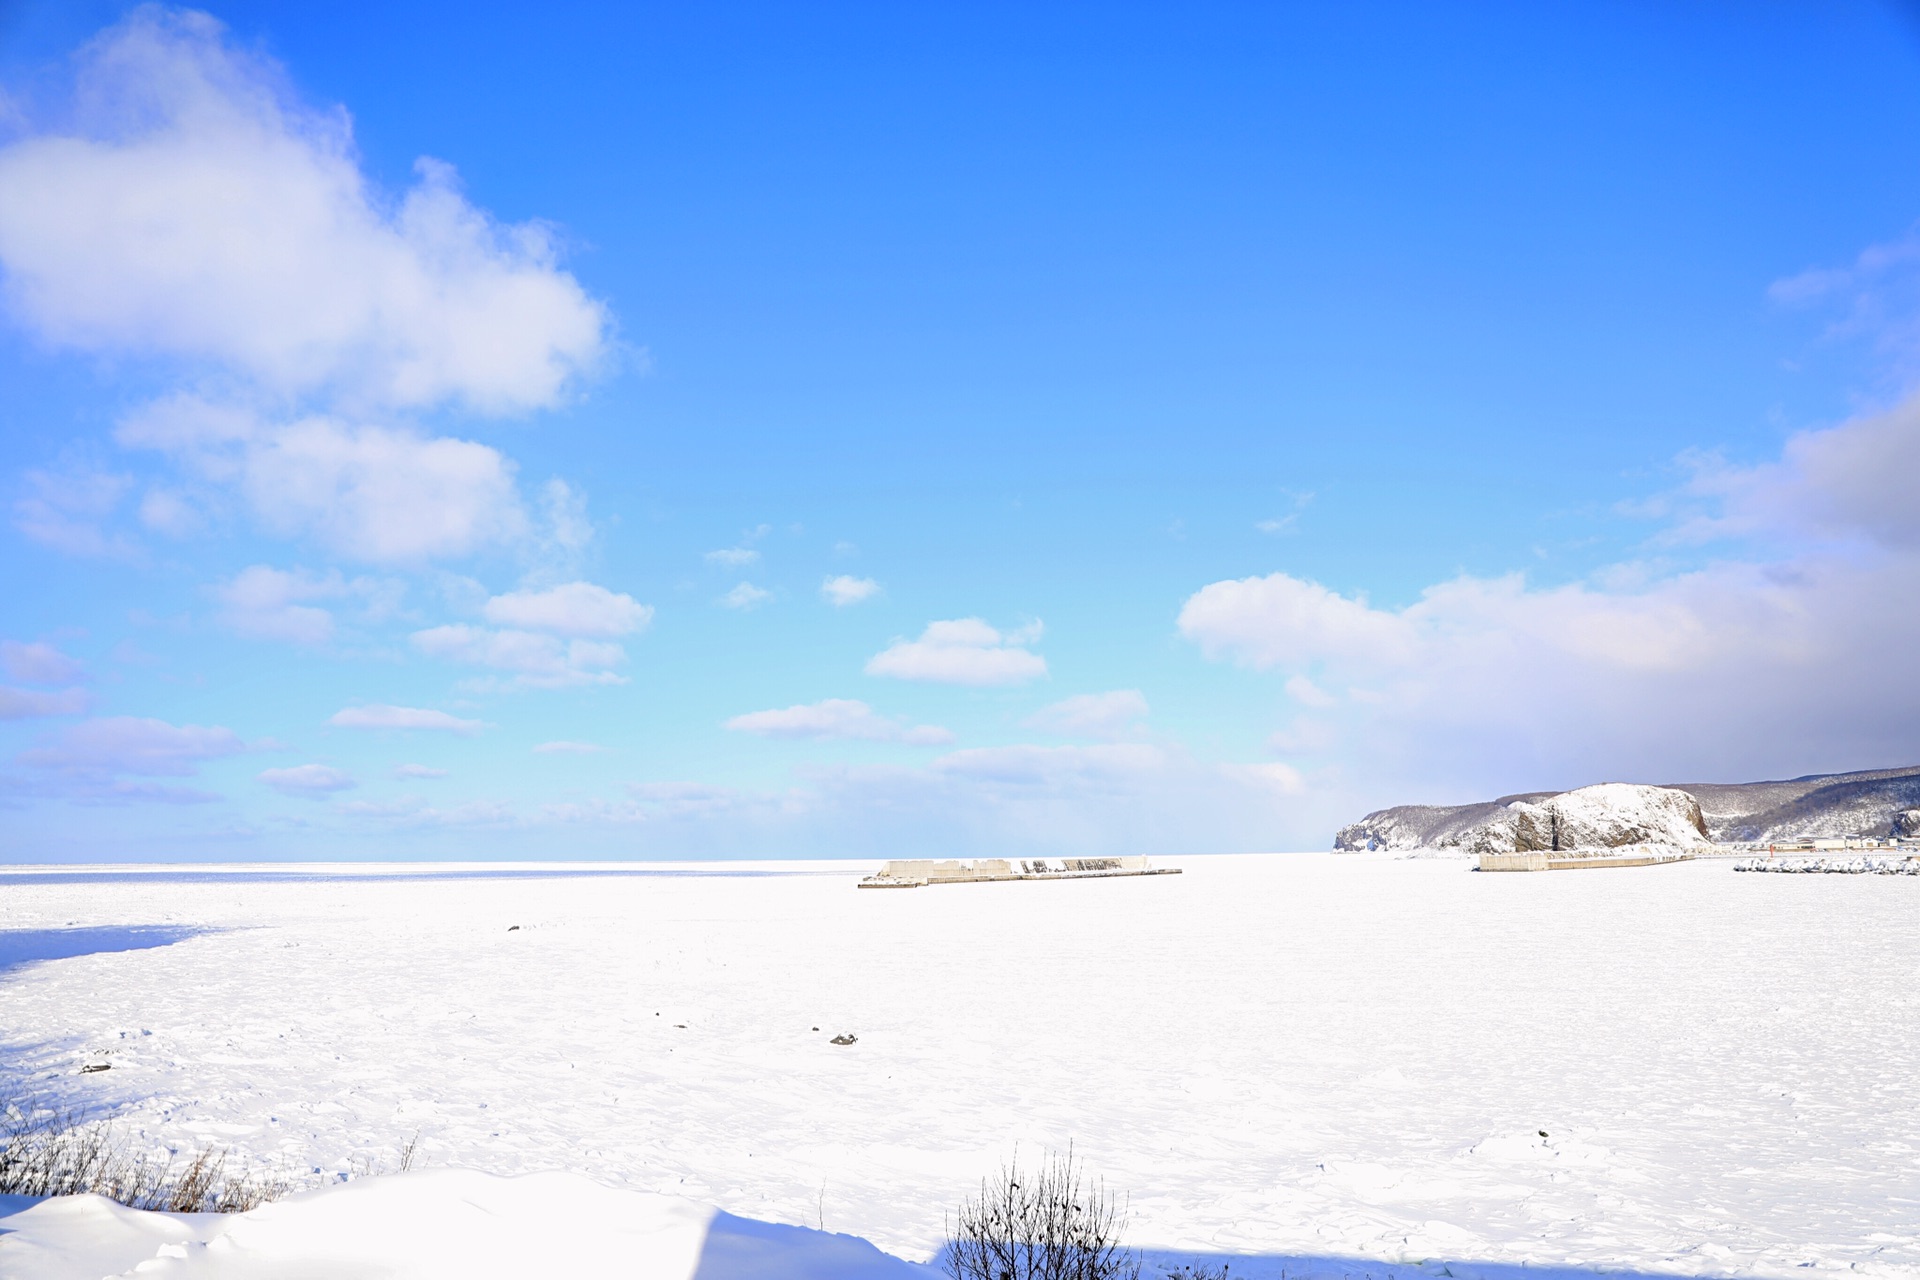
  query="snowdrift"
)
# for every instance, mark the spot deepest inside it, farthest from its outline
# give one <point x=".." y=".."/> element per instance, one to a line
<point x="443" y="1224"/>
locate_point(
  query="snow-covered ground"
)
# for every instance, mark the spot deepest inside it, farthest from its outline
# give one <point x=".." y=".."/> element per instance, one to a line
<point x="442" y="1224"/>
<point x="1309" y="1059"/>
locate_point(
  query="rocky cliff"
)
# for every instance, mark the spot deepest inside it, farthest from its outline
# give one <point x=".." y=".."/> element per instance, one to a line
<point x="1879" y="802"/>
<point x="1607" y="816"/>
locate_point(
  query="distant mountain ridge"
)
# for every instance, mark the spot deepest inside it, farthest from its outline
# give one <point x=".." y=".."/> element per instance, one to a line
<point x="1872" y="802"/>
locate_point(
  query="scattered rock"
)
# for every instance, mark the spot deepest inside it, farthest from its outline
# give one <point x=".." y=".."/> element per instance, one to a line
<point x="92" y="1067"/>
<point x="513" y="928"/>
<point x="843" y="1038"/>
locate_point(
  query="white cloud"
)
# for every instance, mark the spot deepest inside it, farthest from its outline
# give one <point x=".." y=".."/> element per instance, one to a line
<point x="371" y="493"/>
<point x="836" y="718"/>
<point x="745" y="596"/>
<point x="33" y="704"/>
<point x="190" y="209"/>
<point x="380" y="716"/>
<point x="312" y="780"/>
<point x="260" y="602"/>
<point x="196" y="210"/>
<point x="1114" y="714"/>
<point x="564" y="748"/>
<point x="266" y="603"/>
<point x="39" y="663"/>
<point x="411" y="771"/>
<point x="1793" y="659"/>
<point x="1851" y="482"/>
<point x="539" y="661"/>
<point x="1279" y="619"/>
<point x="962" y="651"/>
<point x="573" y="609"/>
<point x="733" y="557"/>
<point x="845" y="589"/>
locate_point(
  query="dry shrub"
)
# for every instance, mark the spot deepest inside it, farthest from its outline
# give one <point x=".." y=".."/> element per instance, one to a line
<point x="1050" y="1224"/>
<point x="54" y="1153"/>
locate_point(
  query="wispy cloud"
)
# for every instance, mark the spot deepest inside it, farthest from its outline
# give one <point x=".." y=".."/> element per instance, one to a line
<point x="745" y="596"/>
<point x="1875" y="298"/>
<point x="417" y="771"/>
<point x="836" y="718"/>
<point x="30" y="704"/>
<point x="1018" y="800"/>
<point x="537" y="660"/>
<point x="1112" y="715"/>
<point x="381" y="716"/>
<point x="310" y="780"/>
<point x="70" y="509"/>
<point x="277" y="604"/>
<point x="107" y="759"/>
<point x="1289" y="521"/>
<point x="39" y="663"/>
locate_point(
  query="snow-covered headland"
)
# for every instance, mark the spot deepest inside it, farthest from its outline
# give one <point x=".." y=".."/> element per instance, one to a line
<point x="1882" y="803"/>
<point x="1310" y="1064"/>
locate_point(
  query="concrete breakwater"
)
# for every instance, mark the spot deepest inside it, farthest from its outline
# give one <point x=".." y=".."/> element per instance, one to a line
<point x="916" y="873"/>
<point x="1577" y="860"/>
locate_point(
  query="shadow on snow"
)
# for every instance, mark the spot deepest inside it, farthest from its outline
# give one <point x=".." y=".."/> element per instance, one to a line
<point x="744" y="1249"/>
<point x="25" y="946"/>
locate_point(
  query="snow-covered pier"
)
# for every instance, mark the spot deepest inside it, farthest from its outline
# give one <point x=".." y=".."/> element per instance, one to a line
<point x="916" y="873"/>
<point x="1583" y="859"/>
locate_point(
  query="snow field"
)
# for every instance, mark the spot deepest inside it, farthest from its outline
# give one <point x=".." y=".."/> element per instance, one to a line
<point x="1295" y="1056"/>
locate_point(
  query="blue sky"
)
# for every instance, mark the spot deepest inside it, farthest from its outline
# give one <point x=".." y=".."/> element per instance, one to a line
<point x="844" y="430"/>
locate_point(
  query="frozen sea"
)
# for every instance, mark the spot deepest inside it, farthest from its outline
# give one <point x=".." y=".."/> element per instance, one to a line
<point x="1342" y="1064"/>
